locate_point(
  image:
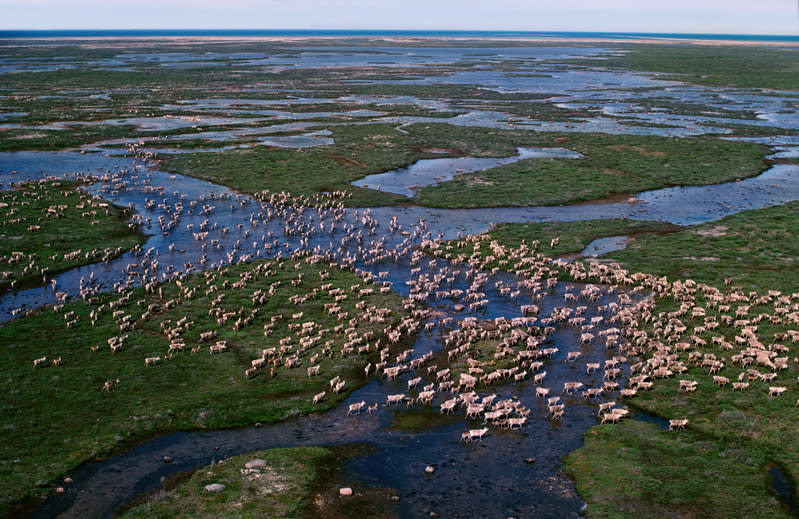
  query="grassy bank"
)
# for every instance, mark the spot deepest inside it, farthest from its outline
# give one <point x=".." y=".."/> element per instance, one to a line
<point x="754" y="250"/>
<point x="751" y="250"/>
<point x="573" y="237"/>
<point x="279" y="488"/>
<point x="634" y="469"/>
<point x="98" y="364"/>
<point x="611" y="165"/>
<point x="297" y="482"/>
<point x="46" y="227"/>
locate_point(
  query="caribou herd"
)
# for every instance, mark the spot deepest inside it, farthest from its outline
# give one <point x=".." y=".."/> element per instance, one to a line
<point x="714" y="333"/>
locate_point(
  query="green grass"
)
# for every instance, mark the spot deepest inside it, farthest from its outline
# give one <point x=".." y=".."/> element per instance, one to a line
<point x="755" y="250"/>
<point x="47" y="227"/>
<point x="43" y="438"/>
<point x="752" y="250"/>
<point x="729" y="66"/>
<point x="612" y="165"/>
<point x="573" y="237"/>
<point x="634" y="469"/>
<point x="281" y="489"/>
<point x="359" y="150"/>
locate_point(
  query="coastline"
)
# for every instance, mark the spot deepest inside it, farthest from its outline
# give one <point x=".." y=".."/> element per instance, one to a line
<point x="400" y="37"/>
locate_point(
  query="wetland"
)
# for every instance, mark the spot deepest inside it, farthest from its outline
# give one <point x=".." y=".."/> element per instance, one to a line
<point x="200" y="270"/>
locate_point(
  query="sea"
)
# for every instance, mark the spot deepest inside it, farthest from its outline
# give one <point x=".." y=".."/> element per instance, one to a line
<point x="272" y="33"/>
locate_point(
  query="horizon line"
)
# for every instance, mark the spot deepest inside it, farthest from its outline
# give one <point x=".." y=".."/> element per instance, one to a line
<point x="19" y="33"/>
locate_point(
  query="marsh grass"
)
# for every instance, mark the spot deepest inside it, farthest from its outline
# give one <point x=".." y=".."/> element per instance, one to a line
<point x="359" y="150"/>
<point x="45" y="436"/>
<point x="573" y="237"/>
<point x="634" y="469"/>
<point x="754" y="250"/>
<point x="751" y="250"/>
<point x="43" y="230"/>
<point x="741" y="66"/>
<point x="611" y="165"/>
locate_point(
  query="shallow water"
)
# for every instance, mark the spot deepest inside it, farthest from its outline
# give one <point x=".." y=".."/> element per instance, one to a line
<point x="605" y="245"/>
<point x="782" y="487"/>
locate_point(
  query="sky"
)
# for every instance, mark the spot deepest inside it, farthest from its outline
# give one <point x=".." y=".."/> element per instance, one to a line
<point x="661" y="16"/>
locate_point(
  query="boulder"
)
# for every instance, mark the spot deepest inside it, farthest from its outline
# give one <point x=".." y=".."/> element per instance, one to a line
<point x="214" y="487"/>
<point x="255" y="464"/>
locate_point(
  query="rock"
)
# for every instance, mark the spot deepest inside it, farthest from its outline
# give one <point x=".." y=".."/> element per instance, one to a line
<point x="529" y="460"/>
<point x="429" y="469"/>
<point x="59" y="490"/>
<point x="255" y="464"/>
<point x="346" y="491"/>
<point x="214" y="487"/>
<point x="258" y="425"/>
<point x="67" y="480"/>
<point x="167" y="459"/>
<point x="433" y="514"/>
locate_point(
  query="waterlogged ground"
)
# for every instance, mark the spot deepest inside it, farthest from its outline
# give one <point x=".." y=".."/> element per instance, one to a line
<point x="177" y="133"/>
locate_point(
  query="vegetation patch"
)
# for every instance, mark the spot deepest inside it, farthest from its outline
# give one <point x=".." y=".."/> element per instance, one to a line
<point x="278" y="487"/>
<point x="51" y="226"/>
<point x="636" y="164"/>
<point x="358" y="151"/>
<point x="634" y="469"/>
<point x="226" y="348"/>
<point x="563" y="238"/>
<point x="741" y="66"/>
<point x="753" y="250"/>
